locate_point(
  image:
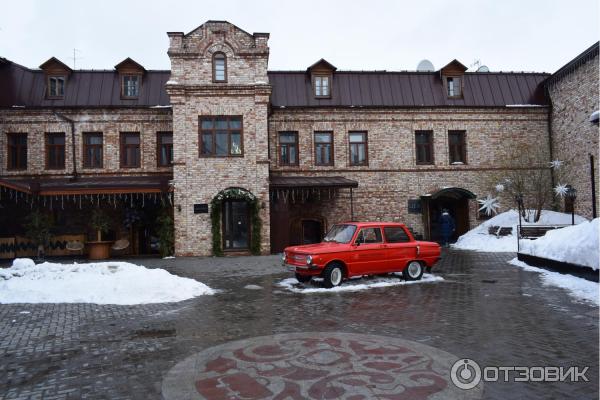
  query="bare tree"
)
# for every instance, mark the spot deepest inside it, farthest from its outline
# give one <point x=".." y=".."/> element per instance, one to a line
<point x="527" y="175"/>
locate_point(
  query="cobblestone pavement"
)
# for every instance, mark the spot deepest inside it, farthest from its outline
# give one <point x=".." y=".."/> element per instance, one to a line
<point x="486" y="310"/>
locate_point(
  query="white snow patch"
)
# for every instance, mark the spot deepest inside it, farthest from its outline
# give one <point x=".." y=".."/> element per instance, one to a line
<point x="577" y="244"/>
<point x="172" y="82"/>
<point x="168" y="257"/>
<point x="354" y="285"/>
<point x="100" y="283"/>
<point x="479" y="239"/>
<point x="159" y="106"/>
<point x="253" y="287"/>
<point x="579" y="288"/>
<point x="24" y="312"/>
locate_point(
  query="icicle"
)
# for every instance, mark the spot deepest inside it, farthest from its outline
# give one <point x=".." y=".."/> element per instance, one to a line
<point x="44" y="201"/>
<point x="131" y="200"/>
<point x="80" y="196"/>
<point x="97" y="200"/>
<point x="143" y="200"/>
<point x="62" y="204"/>
<point x="51" y="202"/>
<point x="169" y="198"/>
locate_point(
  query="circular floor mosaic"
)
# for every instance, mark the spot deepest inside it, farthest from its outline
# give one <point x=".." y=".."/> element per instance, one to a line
<point x="316" y="366"/>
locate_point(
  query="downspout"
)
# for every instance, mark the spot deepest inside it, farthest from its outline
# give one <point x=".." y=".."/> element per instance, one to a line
<point x="73" y="150"/>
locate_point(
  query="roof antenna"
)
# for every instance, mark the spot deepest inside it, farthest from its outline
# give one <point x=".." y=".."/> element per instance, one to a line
<point x="75" y="57"/>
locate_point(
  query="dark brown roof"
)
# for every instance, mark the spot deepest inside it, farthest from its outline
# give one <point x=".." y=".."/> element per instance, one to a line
<point x="21" y="86"/>
<point x="408" y="89"/>
<point x="287" y="182"/>
<point x="89" y="185"/>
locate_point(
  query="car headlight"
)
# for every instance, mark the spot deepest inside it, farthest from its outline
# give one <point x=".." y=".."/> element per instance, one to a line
<point x="309" y="260"/>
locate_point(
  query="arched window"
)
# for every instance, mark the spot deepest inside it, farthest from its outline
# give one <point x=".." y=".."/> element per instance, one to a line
<point x="219" y="67"/>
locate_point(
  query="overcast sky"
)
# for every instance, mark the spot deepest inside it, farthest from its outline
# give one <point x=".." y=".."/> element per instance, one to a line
<point x="505" y="35"/>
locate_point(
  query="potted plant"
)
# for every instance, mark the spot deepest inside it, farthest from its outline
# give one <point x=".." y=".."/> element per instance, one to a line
<point x="100" y="223"/>
<point x="37" y="229"/>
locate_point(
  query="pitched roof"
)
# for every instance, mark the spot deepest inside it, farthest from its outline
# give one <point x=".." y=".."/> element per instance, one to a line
<point x="408" y="89"/>
<point x="22" y="86"/>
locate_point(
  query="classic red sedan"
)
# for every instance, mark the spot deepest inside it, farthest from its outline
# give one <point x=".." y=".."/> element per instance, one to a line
<point x="362" y="248"/>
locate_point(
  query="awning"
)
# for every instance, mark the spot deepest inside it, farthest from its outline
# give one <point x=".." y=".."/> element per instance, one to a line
<point x="89" y="184"/>
<point x="453" y="192"/>
<point x="294" y="182"/>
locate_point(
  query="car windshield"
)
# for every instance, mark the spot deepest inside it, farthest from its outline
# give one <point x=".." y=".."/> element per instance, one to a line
<point x="341" y="233"/>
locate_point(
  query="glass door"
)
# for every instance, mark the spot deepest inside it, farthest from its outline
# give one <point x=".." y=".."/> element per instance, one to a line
<point x="236" y="224"/>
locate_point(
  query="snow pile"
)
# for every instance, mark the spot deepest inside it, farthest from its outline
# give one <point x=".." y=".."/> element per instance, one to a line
<point x="100" y="283"/>
<point x="576" y="244"/>
<point x="579" y="288"/>
<point x="354" y="285"/>
<point x="479" y="239"/>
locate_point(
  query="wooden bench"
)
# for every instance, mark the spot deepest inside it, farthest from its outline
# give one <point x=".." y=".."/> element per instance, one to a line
<point x="500" y="230"/>
<point x="536" y="231"/>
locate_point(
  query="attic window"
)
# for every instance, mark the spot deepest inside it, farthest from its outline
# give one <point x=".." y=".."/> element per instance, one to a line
<point x="322" y="85"/>
<point x="130" y="86"/>
<point x="453" y="85"/>
<point x="56" y="86"/>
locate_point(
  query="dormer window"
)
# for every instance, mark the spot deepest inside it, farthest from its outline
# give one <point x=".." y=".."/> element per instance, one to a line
<point x="321" y="75"/>
<point x="322" y="85"/>
<point x="453" y="85"/>
<point x="219" y="67"/>
<point x="56" y="74"/>
<point x="452" y="79"/>
<point x="56" y="86"/>
<point x="130" y="86"/>
<point x="131" y="74"/>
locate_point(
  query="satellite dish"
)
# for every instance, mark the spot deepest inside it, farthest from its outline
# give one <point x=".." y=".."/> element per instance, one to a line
<point x="483" y="68"/>
<point x="425" y="66"/>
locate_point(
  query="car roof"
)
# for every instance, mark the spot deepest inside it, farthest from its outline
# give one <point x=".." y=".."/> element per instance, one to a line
<point x="379" y="223"/>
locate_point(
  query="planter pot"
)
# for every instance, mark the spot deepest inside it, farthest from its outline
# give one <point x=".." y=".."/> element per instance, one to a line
<point x="99" y="250"/>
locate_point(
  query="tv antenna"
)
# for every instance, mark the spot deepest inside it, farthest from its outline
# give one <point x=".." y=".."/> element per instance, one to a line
<point x="76" y="57"/>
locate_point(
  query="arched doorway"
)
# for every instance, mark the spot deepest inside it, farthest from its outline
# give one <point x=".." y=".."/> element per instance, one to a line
<point x="456" y="201"/>
<point x="235" y="221"/>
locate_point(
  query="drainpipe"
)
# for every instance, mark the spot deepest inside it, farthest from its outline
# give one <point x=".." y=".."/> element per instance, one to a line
<point x="73" y="150"/>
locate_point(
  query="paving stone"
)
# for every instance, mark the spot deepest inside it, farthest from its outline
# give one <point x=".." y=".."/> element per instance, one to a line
<point x="74" y="351"/>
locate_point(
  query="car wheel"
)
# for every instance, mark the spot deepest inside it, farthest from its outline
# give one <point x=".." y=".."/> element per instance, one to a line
<point x="333" y="275"/>
<point x="413" y="271"/>
<point x="303" y="278"/>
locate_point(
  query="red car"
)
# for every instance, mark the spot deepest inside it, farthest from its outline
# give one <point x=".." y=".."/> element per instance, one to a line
<point x="362" y="248"/>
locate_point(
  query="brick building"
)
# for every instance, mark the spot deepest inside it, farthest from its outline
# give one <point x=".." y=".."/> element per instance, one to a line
<point x="250" y="159"/>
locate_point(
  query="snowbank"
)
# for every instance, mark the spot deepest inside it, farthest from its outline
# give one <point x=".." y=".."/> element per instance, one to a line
<point x="355" y="285"/>
<point x="576" y="244"/>
<point x="480" y="240"/>
<point x="579" y="288"/>
<point x="100" y="283"/>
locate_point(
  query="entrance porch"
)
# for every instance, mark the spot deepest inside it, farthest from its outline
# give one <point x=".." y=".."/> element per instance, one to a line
<point x="303" y="208"/>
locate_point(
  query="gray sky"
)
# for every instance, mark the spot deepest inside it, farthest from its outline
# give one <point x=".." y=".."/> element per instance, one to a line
<point x="528" y="35"/>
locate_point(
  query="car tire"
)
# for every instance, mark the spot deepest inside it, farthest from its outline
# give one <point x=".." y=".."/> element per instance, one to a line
<point x="303" y="278"/>
<point x="333" y="275"/>
<point x="413" y="271"/>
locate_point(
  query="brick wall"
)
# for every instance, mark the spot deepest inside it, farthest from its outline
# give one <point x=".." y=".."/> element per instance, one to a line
<point x="574" y="98"/>
<point x="392" y="176"/>
<point x="36" y="123"/>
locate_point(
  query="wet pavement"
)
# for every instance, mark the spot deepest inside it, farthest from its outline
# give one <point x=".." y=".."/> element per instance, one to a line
<point x="485" y="310"/>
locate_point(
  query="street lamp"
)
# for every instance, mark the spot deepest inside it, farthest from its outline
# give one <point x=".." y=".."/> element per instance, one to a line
<point x="519" y="201"/>
<point x="572" y="195"/>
